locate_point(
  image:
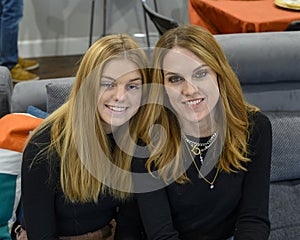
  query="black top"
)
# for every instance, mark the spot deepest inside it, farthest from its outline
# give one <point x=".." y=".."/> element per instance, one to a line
<point x="47" y="213"/>
<point x="236" y="206"/>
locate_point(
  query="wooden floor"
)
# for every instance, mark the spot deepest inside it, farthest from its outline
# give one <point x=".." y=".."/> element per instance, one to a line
<point x="56" y="67"/>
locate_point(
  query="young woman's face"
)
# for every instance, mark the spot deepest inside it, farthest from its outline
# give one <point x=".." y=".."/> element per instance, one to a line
<point x="190" y="84"/>
<point x="120" y="92"/>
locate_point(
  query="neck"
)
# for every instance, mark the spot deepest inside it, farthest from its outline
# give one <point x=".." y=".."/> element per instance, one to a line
<point x="203" y="128"/>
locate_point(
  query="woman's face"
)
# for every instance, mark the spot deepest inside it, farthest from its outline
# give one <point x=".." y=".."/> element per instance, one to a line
<point x="191" y="85"/>
<point x="120" y="92"/>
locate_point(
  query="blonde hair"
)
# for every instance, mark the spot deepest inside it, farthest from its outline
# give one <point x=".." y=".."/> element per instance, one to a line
<point x="78" y="120"/>
<point x="234" y="152"/>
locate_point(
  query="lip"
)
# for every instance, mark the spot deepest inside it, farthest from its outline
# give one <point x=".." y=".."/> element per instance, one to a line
<point x="193" y="103"/>
<point x="116" y="109"/>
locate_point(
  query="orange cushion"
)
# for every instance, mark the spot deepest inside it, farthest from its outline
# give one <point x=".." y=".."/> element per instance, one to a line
<point x="15" y="129"/>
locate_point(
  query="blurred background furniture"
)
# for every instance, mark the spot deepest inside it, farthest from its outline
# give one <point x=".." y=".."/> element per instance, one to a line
<point x="92" y="20"/>
<point x="226" y="16"/>
<point x="6" y="88"/>
<point x="294" y="26"/>
<point x="161" y="22"/>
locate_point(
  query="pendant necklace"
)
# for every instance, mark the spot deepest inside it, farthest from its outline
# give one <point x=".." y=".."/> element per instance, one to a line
<point x="200" y="175"/>
<point x="196" y="150"/>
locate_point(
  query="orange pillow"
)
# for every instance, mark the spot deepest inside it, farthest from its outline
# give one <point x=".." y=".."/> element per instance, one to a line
<point x="15" y="129"/>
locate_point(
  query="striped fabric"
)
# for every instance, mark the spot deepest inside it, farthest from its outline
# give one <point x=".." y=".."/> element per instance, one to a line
<point x="14" y="131"/>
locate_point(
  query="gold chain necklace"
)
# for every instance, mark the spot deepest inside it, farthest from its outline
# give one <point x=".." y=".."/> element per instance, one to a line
<point x="196" y="146"/>
<point x="200" y="175"/>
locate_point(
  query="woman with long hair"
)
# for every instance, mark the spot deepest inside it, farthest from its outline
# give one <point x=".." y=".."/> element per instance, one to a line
<point x="212" y="150"/>
<point x="70" y="186"/>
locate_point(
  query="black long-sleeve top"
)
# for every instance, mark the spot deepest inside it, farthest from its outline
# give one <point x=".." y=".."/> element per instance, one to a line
<point x="237" y="206"/>
<point x="47" y="213"/>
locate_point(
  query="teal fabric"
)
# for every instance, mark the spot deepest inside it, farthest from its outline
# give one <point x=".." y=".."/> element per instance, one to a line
<point x="7" y="200"/>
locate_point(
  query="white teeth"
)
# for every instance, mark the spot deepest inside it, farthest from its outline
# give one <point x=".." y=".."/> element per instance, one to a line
<point x="194" y="102"/>
<point x="117" y="109"/>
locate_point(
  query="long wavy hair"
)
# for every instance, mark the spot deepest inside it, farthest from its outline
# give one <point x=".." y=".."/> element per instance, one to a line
<point x="234" y="151"/>
<point x="77" y="134"/>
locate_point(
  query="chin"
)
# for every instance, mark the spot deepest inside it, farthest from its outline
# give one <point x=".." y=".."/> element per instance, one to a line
<point x="200" y="117"/>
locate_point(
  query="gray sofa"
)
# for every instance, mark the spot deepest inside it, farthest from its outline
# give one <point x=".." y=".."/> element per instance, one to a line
<point x="268" y="68"/>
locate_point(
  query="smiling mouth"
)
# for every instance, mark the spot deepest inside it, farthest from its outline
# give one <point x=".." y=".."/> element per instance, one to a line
<point x="193" y="102"/>
<point x="116" y="109"/>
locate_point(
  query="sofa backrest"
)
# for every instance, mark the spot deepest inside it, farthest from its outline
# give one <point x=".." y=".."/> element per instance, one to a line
<point x="267" y="65"/>
<point x="260" y="58"/>
<point x="34" y="93"/>
<point x="285" y="164"/>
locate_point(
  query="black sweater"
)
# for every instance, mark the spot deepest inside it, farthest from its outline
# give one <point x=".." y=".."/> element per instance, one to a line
<point x="237" y="206"/>
<point x="47" y="213"/>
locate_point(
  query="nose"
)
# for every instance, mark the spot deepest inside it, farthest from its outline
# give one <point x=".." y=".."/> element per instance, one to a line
<point x="119" y="93"/>
<point x="188" y="88"/>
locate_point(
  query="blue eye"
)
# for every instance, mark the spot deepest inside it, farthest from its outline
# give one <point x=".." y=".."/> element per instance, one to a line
<point x="133" y="87"/>
<point x="200" y="74"/>
<point x="175" y="79"/>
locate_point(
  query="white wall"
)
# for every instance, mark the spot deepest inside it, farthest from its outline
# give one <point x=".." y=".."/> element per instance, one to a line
<point x="62" y="27"/>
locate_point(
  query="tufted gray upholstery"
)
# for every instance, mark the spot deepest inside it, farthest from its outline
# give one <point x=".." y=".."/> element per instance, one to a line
<point x="57" y="94"/>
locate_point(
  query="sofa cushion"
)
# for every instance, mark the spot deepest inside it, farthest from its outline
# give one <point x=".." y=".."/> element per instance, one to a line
<point x="57" y="94"/>
<point x="284" y="210"/>
<point x="36" y="112"/>
<point x="263" y="57"/>
<point x="274" y="96"/>
<point x="33" y="93"/>
<point x="286" y="148"/>
<point x="10" y="188"/>
<point x="15" y="129"/>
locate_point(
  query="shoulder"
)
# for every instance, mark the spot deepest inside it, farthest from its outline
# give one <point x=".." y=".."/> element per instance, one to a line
<point x="40" y="138"/>
<point x="259" y="126"/>
<point x="37" y="144"/>
<point x="258" y="121"/>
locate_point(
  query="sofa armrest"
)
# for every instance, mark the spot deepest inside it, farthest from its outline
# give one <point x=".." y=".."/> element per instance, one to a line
<point x="5" y="91"/>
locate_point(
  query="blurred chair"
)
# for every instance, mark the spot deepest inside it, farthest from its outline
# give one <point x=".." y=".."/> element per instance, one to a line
<point x="92" y="20"/>
<point x="294" y="26"/>
<point x="161" y="22"/>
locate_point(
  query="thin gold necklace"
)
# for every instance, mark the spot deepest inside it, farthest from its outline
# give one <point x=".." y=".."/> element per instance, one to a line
<point x="211" y="183"/>
<point x="196" y="146"/>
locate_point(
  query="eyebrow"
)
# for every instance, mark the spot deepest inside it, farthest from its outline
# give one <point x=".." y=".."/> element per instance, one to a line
<point x="198" y="68"/>
<point x="171" y="73"/>
<point x="131" y="80"/>
<point x="195" y="70"/>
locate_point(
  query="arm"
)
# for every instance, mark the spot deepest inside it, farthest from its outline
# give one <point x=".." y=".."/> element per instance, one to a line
<point x="129" y="223"/>
<point x="253" y="221"/>
<point x="38" y="193"/>
<point x="155" y="210"/>
<point x="156" y="215"/>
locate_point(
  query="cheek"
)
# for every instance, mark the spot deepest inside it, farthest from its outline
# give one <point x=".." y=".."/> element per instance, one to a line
<point x="101" y="103"/>
<point x="209" y="87"/>
<point x="135" y="99"/>
<point x="214" y="89"/>
<point x="173" y="93"/>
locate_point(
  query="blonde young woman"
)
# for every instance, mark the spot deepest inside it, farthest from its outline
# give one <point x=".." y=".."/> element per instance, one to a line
<point x="215" y="150"/>
<point x="69" y="188"/>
